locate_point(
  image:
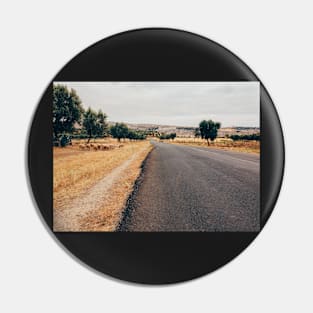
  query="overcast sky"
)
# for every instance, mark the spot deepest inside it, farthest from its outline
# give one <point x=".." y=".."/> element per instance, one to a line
<point x="173" y="103"/>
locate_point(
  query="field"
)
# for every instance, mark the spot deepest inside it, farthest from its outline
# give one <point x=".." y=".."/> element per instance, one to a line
<point x="90" y="187"/>
<point x="92" y="183"/>
<point x="250" y="146"/>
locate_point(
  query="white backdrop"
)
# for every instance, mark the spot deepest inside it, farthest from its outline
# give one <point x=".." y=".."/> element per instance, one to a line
<point x="274" y="38"/>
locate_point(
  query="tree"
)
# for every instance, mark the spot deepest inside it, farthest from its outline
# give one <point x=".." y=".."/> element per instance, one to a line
<point x="90" y="123"/>
<point x="119" y="130"/>
<point x="131" y="135"/>
<point x="197" y="133"/>
<point x="94" y="124"/>
<point x="208" y="130"/>
<point x="167" y="136"/>
<point x="164" y="136"/>
<point x="172" y="136"/>
<point x="136" y="135"/>
<point x="101" y="124"/>
<point x="67" y="110"/>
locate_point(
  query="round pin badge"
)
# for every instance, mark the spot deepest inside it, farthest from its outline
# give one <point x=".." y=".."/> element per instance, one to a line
<point x="155" y="156"/>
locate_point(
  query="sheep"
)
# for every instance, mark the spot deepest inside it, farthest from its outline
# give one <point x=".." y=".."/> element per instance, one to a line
<point x="105" y="147"/>
<point x="81" y="147"/>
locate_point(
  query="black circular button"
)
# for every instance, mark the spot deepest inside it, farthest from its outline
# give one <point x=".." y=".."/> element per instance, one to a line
<point x="200" y="197"/>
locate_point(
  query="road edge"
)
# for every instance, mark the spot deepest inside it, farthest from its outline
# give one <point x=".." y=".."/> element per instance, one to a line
<point x="128" y="208"/>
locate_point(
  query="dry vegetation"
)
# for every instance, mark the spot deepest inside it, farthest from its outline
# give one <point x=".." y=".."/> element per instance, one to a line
<point x="80" y="173"/>
<point x="250" y="146"/>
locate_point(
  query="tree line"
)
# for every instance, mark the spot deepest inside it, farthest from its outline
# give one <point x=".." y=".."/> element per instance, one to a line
<point x="71" y="120"/>
<point x="121" y="131"/>
<point x="245" y="137"/>
<point x="167" y="136"/>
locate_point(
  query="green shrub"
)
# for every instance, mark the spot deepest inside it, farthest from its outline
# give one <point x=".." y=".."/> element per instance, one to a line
<point x="245" y="137"/>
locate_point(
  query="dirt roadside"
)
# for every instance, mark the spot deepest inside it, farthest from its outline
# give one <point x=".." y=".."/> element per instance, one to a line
<point x="100" y="207"/>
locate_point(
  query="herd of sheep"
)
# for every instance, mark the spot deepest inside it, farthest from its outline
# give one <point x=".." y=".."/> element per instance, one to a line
<point x="97" y="146"/>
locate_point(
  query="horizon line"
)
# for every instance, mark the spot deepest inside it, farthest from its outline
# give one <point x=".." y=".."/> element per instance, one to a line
<point x="146" y="123"/>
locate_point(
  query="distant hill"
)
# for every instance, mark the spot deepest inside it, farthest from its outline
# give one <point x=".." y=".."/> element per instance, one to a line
<point x="186" y="131"/>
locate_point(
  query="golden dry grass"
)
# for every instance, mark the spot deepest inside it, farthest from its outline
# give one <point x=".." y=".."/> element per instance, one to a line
<point x="249" y="146"/>
<point x="108" y="216"/>
<point x="76" y="171"/>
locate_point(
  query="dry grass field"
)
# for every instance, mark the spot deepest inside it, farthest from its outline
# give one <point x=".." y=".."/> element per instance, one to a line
<point x="90" y="186"/>
<point x="250" y="146"/>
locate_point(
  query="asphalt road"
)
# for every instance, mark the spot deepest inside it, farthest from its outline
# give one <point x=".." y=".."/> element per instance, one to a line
<point x="185" y="188"/>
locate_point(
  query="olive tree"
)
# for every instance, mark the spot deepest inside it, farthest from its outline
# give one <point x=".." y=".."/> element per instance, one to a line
<point x="119" y="131"/>
<point x="66" y="111"/>
<point x="209" y="129"/>
<point x="94" y="124"/>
